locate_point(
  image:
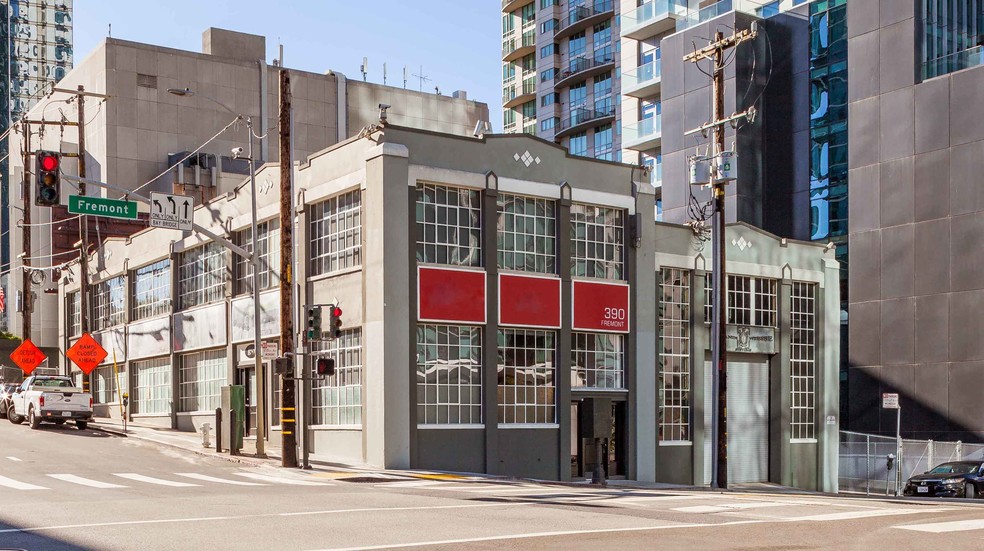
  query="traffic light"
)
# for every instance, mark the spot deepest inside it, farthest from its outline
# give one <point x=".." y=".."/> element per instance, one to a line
<point x="47" y="188"/>
<point x="283" y="366"/>
<point x="314" y="323"/>
<point x="325" y="366"/>
<point x="334" y="321"/>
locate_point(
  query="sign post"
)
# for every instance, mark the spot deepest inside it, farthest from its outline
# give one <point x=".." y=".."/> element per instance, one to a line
<point x="890" y="400"/>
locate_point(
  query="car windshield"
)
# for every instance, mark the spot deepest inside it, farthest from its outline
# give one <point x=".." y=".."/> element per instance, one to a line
<point x="954" y="468"/>
<point x="55" y="383"/>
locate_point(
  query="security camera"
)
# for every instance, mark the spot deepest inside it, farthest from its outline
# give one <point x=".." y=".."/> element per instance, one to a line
<point x="382" y="111"/>
<point x="237" y="152"/>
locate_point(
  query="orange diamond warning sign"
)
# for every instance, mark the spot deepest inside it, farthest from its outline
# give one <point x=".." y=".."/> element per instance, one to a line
<point x="86" y="353"/>
<point x="27" y="356"/>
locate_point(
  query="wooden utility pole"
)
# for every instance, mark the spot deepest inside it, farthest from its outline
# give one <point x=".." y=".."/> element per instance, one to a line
<point x="288" y="406"/>
<point x="84" y="296"/>
<point x="26" y="302"/>
<point x="719" y="338"/>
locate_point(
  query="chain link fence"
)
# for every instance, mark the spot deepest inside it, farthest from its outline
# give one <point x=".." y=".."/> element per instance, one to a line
<point x="863" y="462"/>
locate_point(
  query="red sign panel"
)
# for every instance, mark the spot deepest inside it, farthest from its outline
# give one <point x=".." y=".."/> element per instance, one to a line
<point x="601" y="307"/>
<point x="86" y="353"/>
<point x="529" y="301"/>
<point x="450" y="295"/>
<point x="27" y="357"/>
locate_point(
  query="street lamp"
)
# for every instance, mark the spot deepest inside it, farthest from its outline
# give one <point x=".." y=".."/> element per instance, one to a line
<point x="255" y="261"/>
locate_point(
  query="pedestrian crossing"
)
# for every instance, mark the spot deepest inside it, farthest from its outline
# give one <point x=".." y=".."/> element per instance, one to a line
<point x="944" y="527"/>
<point x="121" y="481"/>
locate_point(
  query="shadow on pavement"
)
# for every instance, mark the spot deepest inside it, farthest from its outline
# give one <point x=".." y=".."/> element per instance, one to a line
<point x="19" y="538"/>
<point x="71" y="430"/>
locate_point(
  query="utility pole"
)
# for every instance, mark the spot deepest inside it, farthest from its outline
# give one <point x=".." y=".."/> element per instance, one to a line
<point x="26" y="302"/>
<point x="719" y="340"/>
<point x="84" y="296"/>
<point x="288" y="406"/>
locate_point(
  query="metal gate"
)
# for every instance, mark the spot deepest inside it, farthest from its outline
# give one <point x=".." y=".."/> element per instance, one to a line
<point x="748" y="421"/>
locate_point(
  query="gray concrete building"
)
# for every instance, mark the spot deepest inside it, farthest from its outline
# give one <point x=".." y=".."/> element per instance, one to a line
<point x="136" y="137"/>
<point x="504" y="304"/>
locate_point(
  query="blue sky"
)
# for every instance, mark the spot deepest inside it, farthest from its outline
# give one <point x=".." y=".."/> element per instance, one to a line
<point x="458" y="43"/>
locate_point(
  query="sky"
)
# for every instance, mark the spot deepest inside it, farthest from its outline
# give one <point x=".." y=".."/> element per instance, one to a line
<point x="456" y="42"/>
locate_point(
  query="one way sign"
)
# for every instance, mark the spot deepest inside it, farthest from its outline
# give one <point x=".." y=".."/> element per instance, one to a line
<point x="174" y="212"/>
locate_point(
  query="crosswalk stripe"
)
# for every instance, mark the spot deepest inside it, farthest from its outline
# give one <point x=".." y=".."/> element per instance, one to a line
<point x="12" y="458"/>
<point x="84" y="481"/>
<point x="152" y="480"/>
<point x="206" y="478"/>
<point x="17" y="485"/>
<point x="279" y="480"/>
<point x="940" y="527"/>
<point x="725" y="507"/>
<point x="853" y="515"/>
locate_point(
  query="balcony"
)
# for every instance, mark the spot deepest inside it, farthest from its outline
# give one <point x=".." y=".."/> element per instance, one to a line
<point x="516" y="94"/>
<point x="643" y="135"/>
<point x="653" y="18"/>
<point x="963" y="59"/>
<point x="581" y="118"/>
<point x="643" y="81"/>
<point x="583" y="67"/>
<point x="696" y="17"/>
<point x="582" y="17"/>
<point x="509" y="6"/>
<point x="516" y="48"/>
<point x="656" y="175"/>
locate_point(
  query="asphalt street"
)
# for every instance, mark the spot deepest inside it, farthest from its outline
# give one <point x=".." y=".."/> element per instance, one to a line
<point x="64" y="489"/>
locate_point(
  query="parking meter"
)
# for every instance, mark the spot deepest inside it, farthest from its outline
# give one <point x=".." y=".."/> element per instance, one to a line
<point x="126" y="399"/>
<point x="890" y="461"/>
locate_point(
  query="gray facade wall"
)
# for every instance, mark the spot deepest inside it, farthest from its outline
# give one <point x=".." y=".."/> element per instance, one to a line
<point x="916" y="217"/>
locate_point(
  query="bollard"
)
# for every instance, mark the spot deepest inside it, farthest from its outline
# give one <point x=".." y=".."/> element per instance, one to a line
<point x="218" y="430"/>
<point x="206" y="428"/>
<point x="232" y="433"/>
<point x="598" y="473"/>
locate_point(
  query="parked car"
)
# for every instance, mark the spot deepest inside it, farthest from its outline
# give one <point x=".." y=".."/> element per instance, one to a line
<point x="953" y="479"/>
<point x="47" y="399"/>
<point x="6" y="391"/>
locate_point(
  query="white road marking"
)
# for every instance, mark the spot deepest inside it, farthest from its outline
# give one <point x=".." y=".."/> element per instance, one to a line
<point x="852" y="515"/>
<point x="280" y="480"/>
<point x="12" y="458"/>
<point x="725" y="507"/>
<point x="11" y="483"/>
<point x="84" y="481"/>
<point x="940" y="527"/>
<point x="207" y="478"/>
<point x="152" y="480"/>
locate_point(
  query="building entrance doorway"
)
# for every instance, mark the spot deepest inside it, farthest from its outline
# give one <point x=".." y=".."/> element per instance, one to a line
<point x="247" y="378"/>
<point x="614" y="446"/>
<point x="748" y="419"/>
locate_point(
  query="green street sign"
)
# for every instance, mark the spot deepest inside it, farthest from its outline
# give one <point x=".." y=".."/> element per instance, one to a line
<point x="97" y="206"/>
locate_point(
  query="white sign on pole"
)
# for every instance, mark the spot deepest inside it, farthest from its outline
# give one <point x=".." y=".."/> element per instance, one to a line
<point x="174" y="212"/>
<point x="270" y="350"/>
<point x="890" y="400"/>
<point x="831" y="419"/>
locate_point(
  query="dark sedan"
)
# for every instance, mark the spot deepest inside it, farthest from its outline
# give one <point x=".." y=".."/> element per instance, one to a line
<point x="954" y="479"/>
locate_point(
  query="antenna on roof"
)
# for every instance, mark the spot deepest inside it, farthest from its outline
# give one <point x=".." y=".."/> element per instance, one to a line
<point x="110" y="30"/>
<point x="404" y="77"/>
<point x="364" y="68"/>
<point x="384" y="73"/>
<point x="422" y="78"/>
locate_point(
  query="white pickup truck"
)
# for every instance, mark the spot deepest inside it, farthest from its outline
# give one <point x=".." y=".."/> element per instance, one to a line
<point x="50" y="399"/>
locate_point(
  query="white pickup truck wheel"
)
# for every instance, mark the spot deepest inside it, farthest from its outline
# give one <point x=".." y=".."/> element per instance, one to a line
<point x="33" y="420"/>
<point x="13" y="417"/>
<point x="81" y="425"/>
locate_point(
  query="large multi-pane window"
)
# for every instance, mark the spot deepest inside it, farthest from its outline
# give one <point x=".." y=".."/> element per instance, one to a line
<point x="751" y="300"/>
<point x="576" y="45"/>
<point x="152" y="290"/>
<point x="200" y="380"/>
<point x="603" y="102"/>
<point x="802" y="345"/>
<point x="449" y="225"/>
<point x="674" y="355"/>
<point x="201" y="276"/>
<point x="109" y="303"/>
<point x="603" y="145"/>
<point x="336" y="233"/>
<point x="151" y="386"/>
<point x="74" y="314"/>
<point x="526" y="376"/>
<point x="337" y="399"/>
<point x="268" y="243"/>
<point x="449" y="375"/>
<point x="527" y="234"/>
<point x="577" y="96"/>
<point x="106" y="384"/>
<point x="597" y="241"/>
<point x="598" y="361"/>
<point x="578" y="144"/>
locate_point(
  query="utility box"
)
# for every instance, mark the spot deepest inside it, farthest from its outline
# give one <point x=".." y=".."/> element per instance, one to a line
<point x="233" y="401"/>
<point x="700" y="171"/>
<point x="726" y="166"/>
<point x="596" y="417"/>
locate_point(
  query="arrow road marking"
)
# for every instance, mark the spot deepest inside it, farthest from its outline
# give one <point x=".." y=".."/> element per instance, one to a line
<point x="84" y="481"/>
<point x="206" y="478"/>
<point x="11" y="483"/>
<point x="152" y="480"/>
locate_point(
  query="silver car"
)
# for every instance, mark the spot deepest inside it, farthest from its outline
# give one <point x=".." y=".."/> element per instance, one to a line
<point x="6" y="390"/>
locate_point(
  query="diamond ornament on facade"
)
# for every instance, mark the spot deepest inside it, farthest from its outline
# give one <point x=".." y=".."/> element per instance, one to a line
<point x="526" y="158"/>
<point x="741" y="243"/>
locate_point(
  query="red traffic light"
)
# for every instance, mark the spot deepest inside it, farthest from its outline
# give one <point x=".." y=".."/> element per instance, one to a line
<point x="49" y="162"/>
<point x="336" y="312"/>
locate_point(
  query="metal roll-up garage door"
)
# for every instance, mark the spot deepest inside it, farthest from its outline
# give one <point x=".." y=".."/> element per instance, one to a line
<point x="748" y="421"/>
